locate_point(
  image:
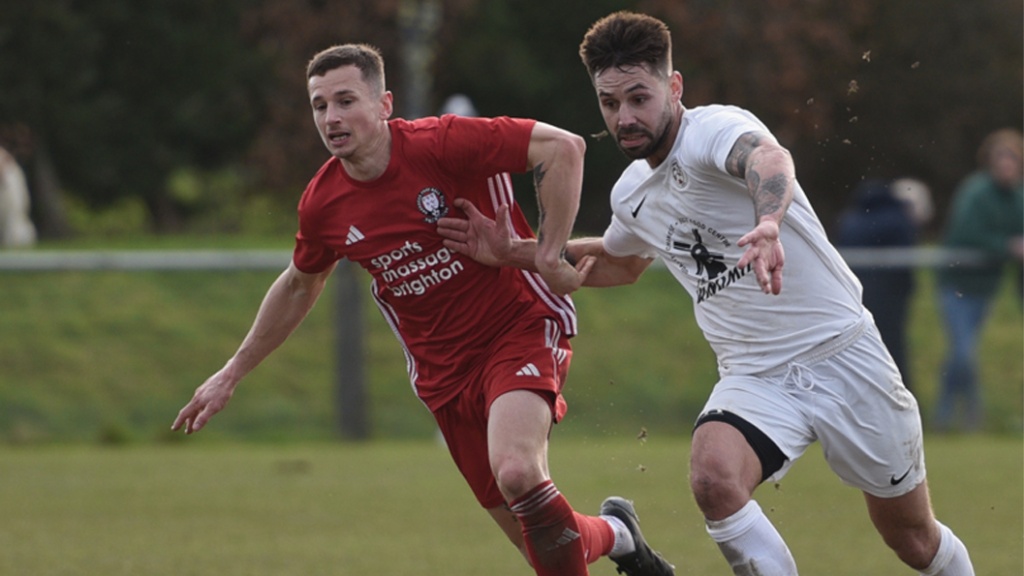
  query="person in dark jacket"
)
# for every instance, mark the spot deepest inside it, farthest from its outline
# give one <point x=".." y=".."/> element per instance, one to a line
<point x="877" y="219"/>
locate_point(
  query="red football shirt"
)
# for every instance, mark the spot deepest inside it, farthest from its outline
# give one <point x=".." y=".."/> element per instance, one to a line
<point x="446" y="309"/>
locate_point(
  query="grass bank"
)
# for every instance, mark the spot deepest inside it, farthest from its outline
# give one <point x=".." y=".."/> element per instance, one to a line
<point x="112" y="356"/>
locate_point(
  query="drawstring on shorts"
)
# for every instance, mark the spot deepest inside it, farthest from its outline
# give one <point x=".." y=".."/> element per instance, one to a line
<point x="799" y="376"/>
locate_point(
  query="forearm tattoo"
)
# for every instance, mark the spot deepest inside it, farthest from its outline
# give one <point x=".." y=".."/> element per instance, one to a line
<point x="769" y="197"/>
<point x="538" y="177"/>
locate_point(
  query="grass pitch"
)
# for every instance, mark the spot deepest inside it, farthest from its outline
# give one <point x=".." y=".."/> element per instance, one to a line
<point x="401" y="508"/>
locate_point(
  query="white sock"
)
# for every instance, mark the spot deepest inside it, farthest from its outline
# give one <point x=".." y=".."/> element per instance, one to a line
<point x="751" y="545"/>
<point x="624" y="543"/>
<point x="952" y="558"/>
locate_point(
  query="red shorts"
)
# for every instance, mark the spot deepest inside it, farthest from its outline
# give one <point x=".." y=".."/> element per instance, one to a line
<point x="537" y="360"/>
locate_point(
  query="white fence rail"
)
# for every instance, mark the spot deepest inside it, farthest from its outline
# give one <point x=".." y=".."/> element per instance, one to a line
<point x="45" y="260"/>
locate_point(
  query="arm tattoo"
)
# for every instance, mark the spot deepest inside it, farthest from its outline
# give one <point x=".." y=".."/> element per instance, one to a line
<point x="736" y="162"/>
<point x="768" y="199"/>
<point x="538" y="177"/>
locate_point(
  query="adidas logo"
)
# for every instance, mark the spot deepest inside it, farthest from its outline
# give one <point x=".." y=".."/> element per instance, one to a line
<point x="354" y="235"/>
<point x="528" y="370"/>
<point x="567" y="536"/>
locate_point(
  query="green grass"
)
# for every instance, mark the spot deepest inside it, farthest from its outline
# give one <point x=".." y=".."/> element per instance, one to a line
<point x="114" y="355"/>
<point x="401" y="508"/>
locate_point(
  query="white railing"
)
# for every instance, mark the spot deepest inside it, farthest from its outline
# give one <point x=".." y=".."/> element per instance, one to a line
<point x="46" y="260"/>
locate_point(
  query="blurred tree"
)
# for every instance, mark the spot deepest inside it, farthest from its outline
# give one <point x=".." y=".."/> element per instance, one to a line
<point x="859" y="89"/>
<point x="287" y="149"/>
<point x="120" y="93"/>
<point x="854" y="89"/>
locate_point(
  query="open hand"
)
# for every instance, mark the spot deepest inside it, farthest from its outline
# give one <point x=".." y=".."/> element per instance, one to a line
<point x="477" y="236"/>
<point x="764" y="251"/>
<point x="208" y="399"/>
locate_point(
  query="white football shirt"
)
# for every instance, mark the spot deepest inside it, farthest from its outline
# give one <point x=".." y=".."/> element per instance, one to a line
<point x="690" y="212"/>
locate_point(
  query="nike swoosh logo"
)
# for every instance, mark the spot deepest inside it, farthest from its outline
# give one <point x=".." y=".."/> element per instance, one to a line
<point x="636" y="210"/>
<point x="894" y="480"/>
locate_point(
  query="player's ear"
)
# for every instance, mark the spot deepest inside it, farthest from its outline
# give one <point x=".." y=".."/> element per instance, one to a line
<point x="675" y="83"/>
<point x="387" y="105"/>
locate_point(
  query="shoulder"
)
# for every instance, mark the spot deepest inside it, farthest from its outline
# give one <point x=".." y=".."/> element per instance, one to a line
<point x="974" y="188"/>
<point x="313" y="195"/>
<point x="709" y="133"/>
<point x="719" y="117"/>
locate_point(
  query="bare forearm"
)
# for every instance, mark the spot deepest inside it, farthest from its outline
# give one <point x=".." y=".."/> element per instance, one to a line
<point x="283" y="309"/>
<point x="770" y="181"/>
<point x="557" y="161"/>
<point x="607" y="270"/>
<point x="767" y="168"/>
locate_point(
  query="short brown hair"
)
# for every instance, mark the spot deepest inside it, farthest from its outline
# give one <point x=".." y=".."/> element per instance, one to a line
<point x="363" y="56"/>
<point x="625" y="39"/>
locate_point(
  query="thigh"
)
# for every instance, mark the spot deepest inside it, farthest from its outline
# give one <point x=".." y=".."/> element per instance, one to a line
<point x="536" y="357"/>
<point x="867" y="421"/>
<point x="533" y="358"/>
<point x="724" y="470"/>
<point x="774" y="405"/>
<point x="463" y="425"/>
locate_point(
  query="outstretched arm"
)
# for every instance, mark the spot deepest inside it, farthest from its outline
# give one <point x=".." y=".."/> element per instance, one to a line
<point x="490" y="242"/>
<point x="768" y="170"/>
<point x="284" y="307"/>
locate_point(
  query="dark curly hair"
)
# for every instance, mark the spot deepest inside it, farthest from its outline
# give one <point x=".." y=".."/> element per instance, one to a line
<point x="625" y="39"/>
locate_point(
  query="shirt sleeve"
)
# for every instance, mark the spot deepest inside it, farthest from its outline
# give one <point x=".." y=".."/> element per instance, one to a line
<point x="486" y="146"/>
<point x="311" y="255"/>
<point x="620" y="242"/>
<point x="719" y="132"/>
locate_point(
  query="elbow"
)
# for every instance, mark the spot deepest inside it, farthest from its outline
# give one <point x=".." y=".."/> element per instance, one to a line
<point x="572" y="146"/>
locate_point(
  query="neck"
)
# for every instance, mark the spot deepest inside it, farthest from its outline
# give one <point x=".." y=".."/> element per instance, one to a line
<point x="373" y="161"/>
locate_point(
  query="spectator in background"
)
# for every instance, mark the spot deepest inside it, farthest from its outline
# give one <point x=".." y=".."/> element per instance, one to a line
<point x="878" y="219"/>
<point x="16" y="229"/>
<point x="987" y="215"/>
<point x="917" y="198"/>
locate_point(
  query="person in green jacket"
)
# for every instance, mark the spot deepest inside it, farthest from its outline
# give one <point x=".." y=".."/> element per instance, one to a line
<point x="987" y="216"/>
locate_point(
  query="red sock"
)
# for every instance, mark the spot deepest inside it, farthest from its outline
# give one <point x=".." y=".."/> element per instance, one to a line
<point x="560" y="542"/>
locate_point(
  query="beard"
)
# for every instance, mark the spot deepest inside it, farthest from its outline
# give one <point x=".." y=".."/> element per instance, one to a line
<point x="654" y="141"/>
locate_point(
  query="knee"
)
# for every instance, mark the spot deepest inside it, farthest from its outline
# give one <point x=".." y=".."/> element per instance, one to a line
<point x="916" y="546"/>
<point x="718" y="494"/>
<point x="516" y="476"/>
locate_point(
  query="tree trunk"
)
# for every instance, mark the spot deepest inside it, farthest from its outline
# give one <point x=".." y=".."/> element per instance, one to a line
<point x="48" y="211"/>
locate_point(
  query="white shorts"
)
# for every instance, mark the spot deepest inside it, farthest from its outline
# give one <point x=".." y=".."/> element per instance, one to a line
<point x="849" y="395"/>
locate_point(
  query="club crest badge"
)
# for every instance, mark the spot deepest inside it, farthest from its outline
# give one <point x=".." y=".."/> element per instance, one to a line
<point x="431" y="202"/>
<point x="678" y="176"/>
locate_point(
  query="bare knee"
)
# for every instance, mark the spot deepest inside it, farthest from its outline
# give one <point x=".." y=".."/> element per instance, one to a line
<point x="916" y="546"/>
<point x="516" y="476"/>
<point x="718" y="493"/>
<point x="724" y="471"/>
